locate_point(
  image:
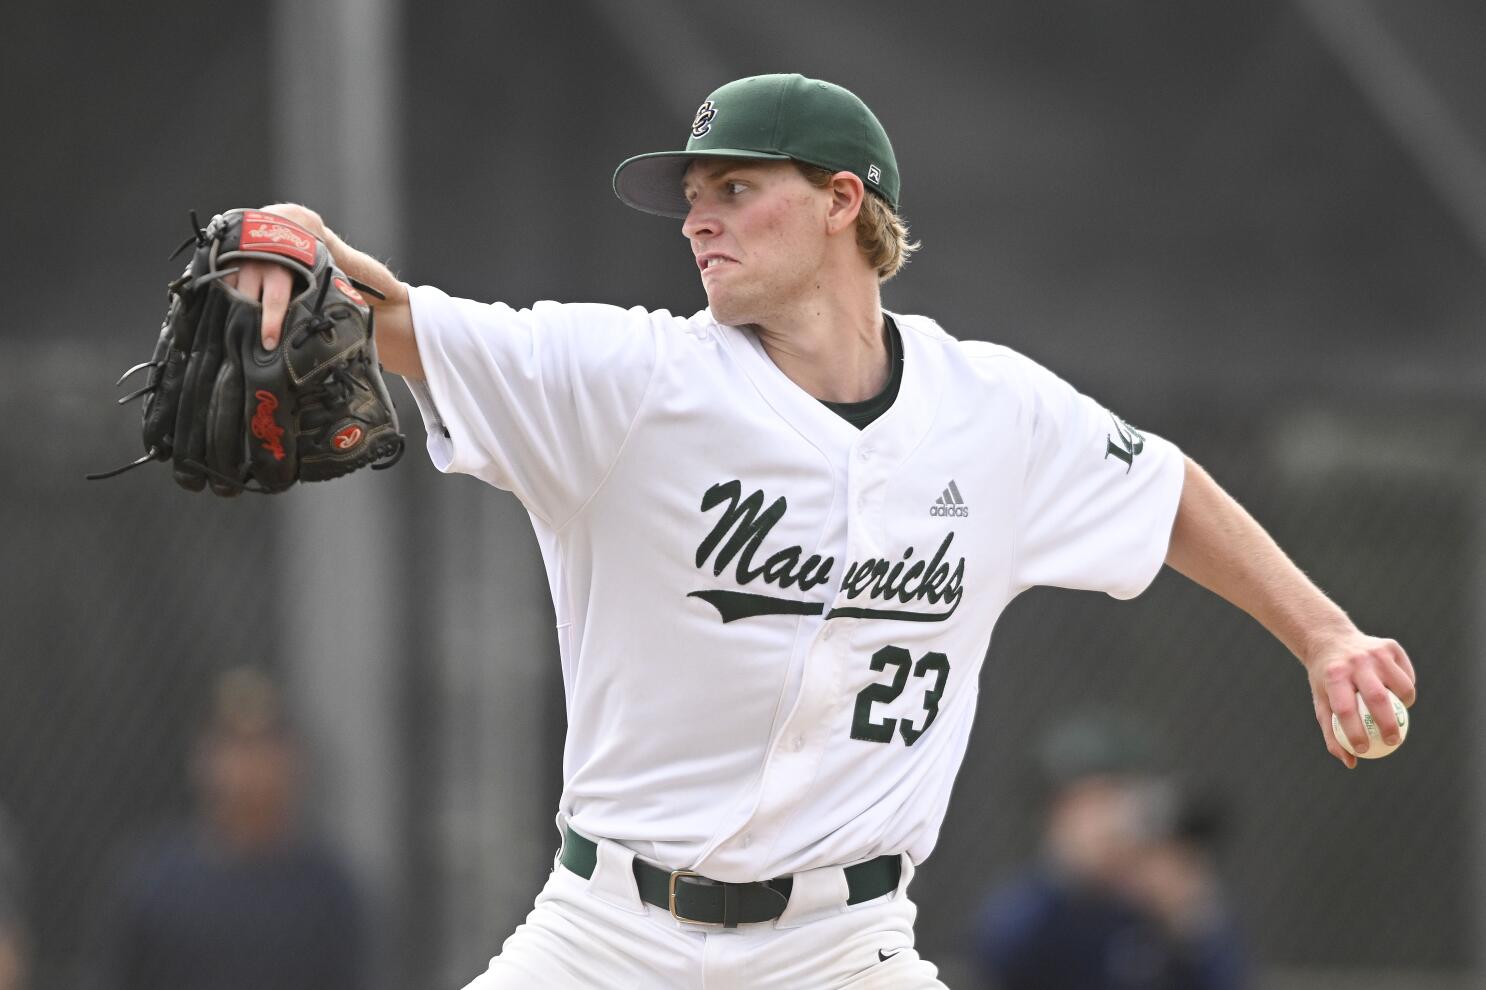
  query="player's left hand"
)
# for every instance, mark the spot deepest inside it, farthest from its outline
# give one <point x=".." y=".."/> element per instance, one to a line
<point x="1352" y="663"/>
<point x="272" y="284"/>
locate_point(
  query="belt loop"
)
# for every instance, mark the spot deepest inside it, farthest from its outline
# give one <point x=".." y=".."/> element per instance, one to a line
<point x="815" y="894"/>
<point x="612" y="876"/>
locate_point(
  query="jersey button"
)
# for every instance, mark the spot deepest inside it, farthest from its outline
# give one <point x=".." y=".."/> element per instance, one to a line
<point x="797" y="743"/>
<point x="864" y="453"/>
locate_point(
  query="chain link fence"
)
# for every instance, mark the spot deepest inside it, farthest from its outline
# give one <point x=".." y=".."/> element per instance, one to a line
<point x="125" y="599"/>
<point x="1114" y="174"/>
<point x="121" y="603"/>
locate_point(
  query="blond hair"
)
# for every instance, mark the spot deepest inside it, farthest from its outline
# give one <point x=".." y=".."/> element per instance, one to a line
<point x="881" y="233"/>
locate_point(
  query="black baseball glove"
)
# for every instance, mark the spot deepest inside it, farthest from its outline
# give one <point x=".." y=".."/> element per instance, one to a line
<point x="229" y="414"/>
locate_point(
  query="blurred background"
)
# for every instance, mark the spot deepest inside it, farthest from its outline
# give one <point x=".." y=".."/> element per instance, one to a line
<point x="1258" y="229"/>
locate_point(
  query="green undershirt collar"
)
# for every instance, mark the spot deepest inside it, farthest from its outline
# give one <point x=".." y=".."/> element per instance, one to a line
<point x="862" y="414"/>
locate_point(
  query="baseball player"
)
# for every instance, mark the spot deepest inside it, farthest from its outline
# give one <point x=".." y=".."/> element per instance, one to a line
<point x="778" y="535"/>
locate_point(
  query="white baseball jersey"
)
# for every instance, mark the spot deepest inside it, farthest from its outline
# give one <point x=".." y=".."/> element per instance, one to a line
<point x="772" y="623"/>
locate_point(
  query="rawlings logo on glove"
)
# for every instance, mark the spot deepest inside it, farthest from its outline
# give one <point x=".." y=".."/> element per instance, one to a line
<point x="264" y="428"/>
<point x="267" y="232"/>
<point x="347" y="438"/>
<point x="227" y="413"/>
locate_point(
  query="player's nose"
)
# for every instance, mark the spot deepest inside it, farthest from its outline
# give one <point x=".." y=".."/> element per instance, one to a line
<point x="700" y="221"/>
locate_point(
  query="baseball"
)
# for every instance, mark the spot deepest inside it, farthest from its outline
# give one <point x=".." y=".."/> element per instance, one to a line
<point x="1377" y="749"/>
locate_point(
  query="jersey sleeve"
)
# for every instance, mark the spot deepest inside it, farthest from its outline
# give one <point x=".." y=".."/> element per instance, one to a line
<point x="1100" y="496"/>
<point x="534" y="401"/>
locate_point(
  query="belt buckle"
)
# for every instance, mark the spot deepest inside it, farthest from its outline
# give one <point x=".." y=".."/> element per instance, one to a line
<point x="677" y="875"/>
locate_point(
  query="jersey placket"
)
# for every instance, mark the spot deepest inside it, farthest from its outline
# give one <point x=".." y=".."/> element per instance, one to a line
<point x="798" y="749"/>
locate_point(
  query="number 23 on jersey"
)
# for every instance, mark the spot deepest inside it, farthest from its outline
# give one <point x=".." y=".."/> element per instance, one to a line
<point x="933" y="666"/>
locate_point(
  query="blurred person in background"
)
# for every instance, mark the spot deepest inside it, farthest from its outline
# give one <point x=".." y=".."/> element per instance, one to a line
<point x="12" y="927"/>
<point x="240" y="898"/>
<point x="1126" y="895"/>
<point x="12" y="961"/>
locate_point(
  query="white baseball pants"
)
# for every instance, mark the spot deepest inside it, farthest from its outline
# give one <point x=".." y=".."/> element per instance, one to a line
<point x="597" y="934"/>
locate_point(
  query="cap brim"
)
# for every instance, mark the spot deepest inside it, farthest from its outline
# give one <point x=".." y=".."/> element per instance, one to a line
<point x="652" y="182"/>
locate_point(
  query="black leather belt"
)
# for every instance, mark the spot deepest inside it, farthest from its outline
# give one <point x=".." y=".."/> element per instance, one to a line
<point x="699" y="900"/>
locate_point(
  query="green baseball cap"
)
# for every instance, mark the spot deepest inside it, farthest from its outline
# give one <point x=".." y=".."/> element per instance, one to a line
<point x="770" y="118"/>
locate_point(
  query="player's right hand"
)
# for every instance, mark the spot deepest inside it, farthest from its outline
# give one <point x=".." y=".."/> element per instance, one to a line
<point x="271" y="284"/>
<point x="1349" y="664"/>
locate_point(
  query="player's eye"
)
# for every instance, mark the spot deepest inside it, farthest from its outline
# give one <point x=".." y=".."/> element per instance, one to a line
<point x="734" y="188"/>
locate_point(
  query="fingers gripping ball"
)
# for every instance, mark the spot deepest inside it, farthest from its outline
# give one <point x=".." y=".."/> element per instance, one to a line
<point x="1376" y="747"/>
<point x="227" y="413"/>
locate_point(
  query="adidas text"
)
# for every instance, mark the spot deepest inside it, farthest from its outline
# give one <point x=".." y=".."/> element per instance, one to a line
<point x="951" y="503"/>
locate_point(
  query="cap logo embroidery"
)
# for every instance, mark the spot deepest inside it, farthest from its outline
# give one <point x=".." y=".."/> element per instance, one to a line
<point x="874" y="174"/>
<point x="703" y="122"/>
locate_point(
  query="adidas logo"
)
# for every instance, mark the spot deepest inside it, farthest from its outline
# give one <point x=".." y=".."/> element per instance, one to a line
<point x="951" y="503"/>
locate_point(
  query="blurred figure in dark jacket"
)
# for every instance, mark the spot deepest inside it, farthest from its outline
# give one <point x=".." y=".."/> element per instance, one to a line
<point x="238" y="899"/>
<point x="1126" y="895"/>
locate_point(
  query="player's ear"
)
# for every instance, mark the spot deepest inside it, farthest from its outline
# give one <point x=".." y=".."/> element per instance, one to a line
<point x="847" y="192"/>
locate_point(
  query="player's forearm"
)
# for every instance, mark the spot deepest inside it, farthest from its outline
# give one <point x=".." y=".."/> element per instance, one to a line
<point x="397" y="348"/>
<point x="1216" y="543"/>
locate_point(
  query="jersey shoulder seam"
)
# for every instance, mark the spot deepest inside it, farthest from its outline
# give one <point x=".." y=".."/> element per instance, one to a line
<point x="624" y="443"/>
<point x="985" y="350"/>
<point x="970" y="349"/>
<point x="1018" y="367"/>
